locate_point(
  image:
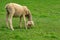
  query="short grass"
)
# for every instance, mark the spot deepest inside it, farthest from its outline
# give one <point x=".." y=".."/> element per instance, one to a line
<point x="46" y="16"/>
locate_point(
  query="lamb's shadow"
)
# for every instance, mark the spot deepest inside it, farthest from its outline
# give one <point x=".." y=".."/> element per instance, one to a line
<point x="18" y="27"/>
<point x="4" y="28"/>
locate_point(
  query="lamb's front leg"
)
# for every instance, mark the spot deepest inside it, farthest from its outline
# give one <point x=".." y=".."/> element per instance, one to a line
<point x="25" y="21"/>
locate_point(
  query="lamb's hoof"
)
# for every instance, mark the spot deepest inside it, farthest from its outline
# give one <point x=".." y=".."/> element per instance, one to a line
<point x="12" y="29"/>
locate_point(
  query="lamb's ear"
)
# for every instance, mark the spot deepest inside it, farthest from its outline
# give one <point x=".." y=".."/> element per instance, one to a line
<point x="32" y="23"/>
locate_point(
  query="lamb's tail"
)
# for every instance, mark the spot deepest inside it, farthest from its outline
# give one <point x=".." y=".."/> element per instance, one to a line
<point x="6" y="6"/>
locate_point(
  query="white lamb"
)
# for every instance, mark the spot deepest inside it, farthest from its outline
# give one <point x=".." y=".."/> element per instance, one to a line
<point x="16" y="10"/>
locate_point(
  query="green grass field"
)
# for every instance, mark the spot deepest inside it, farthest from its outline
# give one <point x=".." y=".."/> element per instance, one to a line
<point x="46" y="16"/>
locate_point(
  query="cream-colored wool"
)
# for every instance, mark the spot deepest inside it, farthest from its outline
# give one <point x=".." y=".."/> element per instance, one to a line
<point x="16" y="10"/>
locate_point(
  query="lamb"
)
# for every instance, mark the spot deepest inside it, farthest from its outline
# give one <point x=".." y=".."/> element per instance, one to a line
<point x="16" y="10"/>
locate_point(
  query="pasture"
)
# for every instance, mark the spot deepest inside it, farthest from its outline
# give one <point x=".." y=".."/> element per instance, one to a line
<point x="46" y="16"/>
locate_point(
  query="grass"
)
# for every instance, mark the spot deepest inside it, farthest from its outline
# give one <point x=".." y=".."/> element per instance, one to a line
<point x="46" y="15"/>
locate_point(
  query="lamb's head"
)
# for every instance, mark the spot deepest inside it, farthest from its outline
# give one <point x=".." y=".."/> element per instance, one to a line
<point x="30" y="23"/>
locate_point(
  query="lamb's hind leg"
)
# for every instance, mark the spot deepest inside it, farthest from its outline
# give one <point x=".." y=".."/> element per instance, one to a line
<point x="7" y="15"/>
<point x="10" y="18"/>
<point x="20" y="21"/>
